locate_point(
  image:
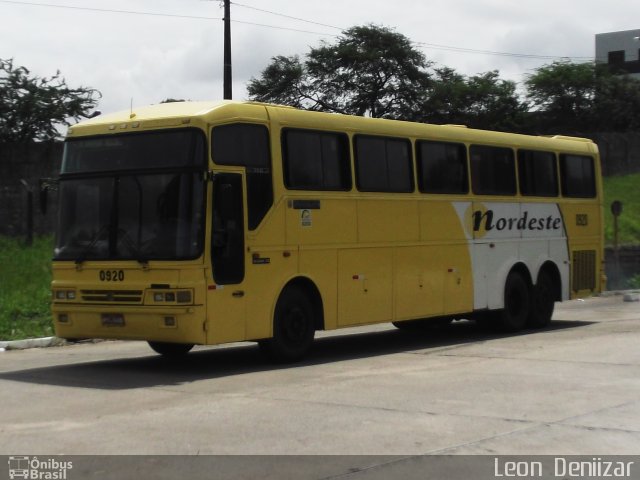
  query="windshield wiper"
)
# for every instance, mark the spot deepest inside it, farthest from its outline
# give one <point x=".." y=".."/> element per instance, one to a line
<point x="126" y="239"/>
<point x="83" y="255"/>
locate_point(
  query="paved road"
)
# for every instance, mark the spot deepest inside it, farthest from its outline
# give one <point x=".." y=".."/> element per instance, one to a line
<point x="571" y="389"/>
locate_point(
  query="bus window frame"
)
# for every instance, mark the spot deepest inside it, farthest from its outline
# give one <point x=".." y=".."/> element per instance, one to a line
<point x="465" y="163"/>
<point x="555" y="170"/>
<point x="515" y="191"/>
<point x="411" y="162"/>
<point x="347" y="167"/>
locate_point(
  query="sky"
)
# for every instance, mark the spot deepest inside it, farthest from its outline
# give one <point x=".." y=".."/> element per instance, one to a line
<point x="141" y="52"/>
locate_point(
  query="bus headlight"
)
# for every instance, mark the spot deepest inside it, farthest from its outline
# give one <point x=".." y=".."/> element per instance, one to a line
<point x="173" y="297"/>
<point x="184" y="296"/>
<point x="64" y="294"/>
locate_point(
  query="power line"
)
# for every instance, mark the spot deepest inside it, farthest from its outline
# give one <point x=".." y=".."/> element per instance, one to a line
<point x="284" y="28"/>
<point x="109" y="10"/>
<point x="154" y="14"/>
<point x="502" y="54"/>
<point x="429" y="45"/>
<point x="286" y="16"/>
<point x="433" y="46"/>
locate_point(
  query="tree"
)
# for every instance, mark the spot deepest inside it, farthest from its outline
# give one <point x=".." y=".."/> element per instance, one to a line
<point x="479" y="101"/>
<point x="283" y="82"/>
<point x="32" y="107"/>
<point x="493" y="103"/>
<point x="617" y="102"/>
<point x="562" y="93"/>
<point x="371" y="70"/>
<point x="446" y="99"/>
<point x="583" y="97"/>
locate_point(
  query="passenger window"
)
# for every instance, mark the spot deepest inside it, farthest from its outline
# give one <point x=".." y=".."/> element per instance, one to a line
<point x="537" y="173"/>
<point x="383" y="164"/>
<point x="577" y="176"/>
<point x="492" y="170"/>
<point x="316" y="160"/>
<point x="247" y="145"/>
<point x="442" y="167"/>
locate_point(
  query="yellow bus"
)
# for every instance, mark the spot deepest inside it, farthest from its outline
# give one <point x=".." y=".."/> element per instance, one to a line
<point x="204" y="223"/>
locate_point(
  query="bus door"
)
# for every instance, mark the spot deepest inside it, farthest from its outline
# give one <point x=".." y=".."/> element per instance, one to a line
<point x="226" y="308"/>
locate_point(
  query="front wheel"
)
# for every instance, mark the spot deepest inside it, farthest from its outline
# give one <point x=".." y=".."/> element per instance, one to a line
<point x="293" y="326"/>
<point x="517" y="303"/>
<point x="171" y="349"/>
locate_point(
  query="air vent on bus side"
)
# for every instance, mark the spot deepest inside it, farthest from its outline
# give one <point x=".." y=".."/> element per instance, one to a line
<point x="583" y="270"/>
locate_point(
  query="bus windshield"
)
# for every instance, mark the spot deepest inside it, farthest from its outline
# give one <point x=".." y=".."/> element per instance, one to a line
<point x="132" y="197"/>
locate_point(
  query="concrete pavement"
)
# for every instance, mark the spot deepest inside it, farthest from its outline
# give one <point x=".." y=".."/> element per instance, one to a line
<point x="573" y="388"/>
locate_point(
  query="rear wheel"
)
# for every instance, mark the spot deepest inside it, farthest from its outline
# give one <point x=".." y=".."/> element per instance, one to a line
<point x="171" y="349"/>
<point x="517" y="303"/>
<point x="542" y="301"/>
<point x="293" y="326"/>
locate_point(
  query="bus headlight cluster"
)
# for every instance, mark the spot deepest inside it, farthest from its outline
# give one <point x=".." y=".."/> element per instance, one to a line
<point x="174" y="296"/>
<point x="64" y="294"/>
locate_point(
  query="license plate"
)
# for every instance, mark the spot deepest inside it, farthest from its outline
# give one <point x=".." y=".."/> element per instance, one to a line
<point x="112" y="320"/>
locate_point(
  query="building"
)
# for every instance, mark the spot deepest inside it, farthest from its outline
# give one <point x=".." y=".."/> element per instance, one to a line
<point x="620" y="50"/>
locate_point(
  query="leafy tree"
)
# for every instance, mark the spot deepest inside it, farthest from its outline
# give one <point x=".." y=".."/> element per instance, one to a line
<point x="371" y="70"/>
<point x="583" y="97"/>
<point x="31" y="107"/>
<point x="479" y="101"/>
<point x="493" y="103"/>
<point x="616" y="103"/>
<point x="284" y="82"/>
<point x="563" y="94"/>
<point x="445" y="101"/>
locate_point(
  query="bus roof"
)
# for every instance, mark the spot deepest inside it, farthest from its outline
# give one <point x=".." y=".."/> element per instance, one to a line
<point x="176" y="114"/>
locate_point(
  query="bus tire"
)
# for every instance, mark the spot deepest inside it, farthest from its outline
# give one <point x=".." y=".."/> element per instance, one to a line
<point x="517" y="303"/>
<point x="167" y="349"/>
<point x="293" y="326"/>
<point x="542" y="301"/>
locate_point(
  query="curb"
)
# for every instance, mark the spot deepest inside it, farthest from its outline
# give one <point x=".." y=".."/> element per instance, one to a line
<point x="32" y="343"/>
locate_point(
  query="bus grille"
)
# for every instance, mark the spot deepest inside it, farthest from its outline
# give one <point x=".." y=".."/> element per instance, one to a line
<point x="112" y="296"/>
<point x="584" y="270"/>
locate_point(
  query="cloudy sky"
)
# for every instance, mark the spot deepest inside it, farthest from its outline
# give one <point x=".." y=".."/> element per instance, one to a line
<point x="148" y="50"/>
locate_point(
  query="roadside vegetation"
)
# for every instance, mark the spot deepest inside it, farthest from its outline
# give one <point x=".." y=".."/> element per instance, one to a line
<point x="25" y="278"/>
<point x="623" y="188"/>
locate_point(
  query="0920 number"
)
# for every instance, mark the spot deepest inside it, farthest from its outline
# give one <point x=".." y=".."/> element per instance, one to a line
<point x="111" y="275"/>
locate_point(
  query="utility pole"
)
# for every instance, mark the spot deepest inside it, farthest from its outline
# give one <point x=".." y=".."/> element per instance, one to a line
<point x="227" y="50"/>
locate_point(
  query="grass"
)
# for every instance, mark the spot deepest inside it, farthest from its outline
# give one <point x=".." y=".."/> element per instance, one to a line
<point x="625" y="188"/>
<point x="25" y="278"/>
